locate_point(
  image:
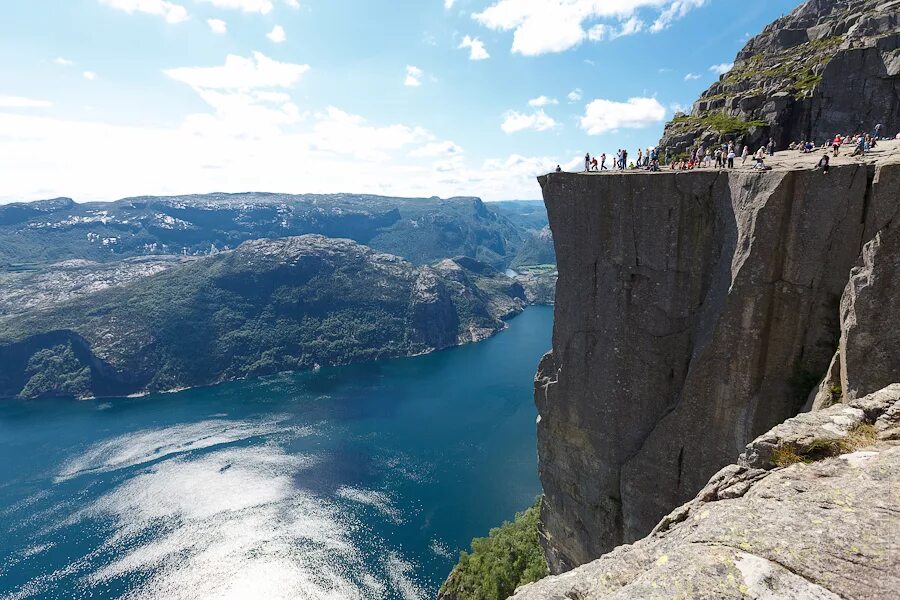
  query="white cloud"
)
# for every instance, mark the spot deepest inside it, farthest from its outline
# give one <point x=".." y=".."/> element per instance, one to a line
<point x="293" y="3"/>
<point x="675" y="10"/>
<point x="448" y="4"/>
<point x="63" y="62"/>
<point x="277" y="35"/>
<point x="173" y="13"/>
<point x="677" y="107"/>
<point x="263" y="7"/>
<point x="89" y="75"/>
<point x="217" y="25"/>
<point x="542" y="101"/>
<point x="543" y="26"/>
<point x="239" y="73"/>
<point x="722" y="68"/>
<point x="606" y="115"/>
<point x="21" y="102"/>
<point x="692" y="76"/>
<point x="413" y="76"/>
<point x="476" y="48"/>
<point x="437" y="149"/>
<point x="514" y="121"/>
<point x="575" y="95"/>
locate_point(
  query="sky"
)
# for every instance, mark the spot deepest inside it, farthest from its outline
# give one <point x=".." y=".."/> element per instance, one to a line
<point x="104" y="99"/>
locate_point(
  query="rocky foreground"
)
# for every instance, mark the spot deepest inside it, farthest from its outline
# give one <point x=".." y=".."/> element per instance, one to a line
<point x="809" y="511"/>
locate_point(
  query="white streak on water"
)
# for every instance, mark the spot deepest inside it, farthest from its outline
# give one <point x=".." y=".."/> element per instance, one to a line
<point x="153" y="444"/>
<point x="200" y="521"/>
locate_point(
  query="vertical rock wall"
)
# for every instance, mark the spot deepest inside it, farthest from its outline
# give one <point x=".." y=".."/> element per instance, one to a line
<point x="694" y="312"/>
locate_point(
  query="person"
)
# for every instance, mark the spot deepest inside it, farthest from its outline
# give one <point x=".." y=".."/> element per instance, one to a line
<point x="860" y="146"/>
<point x="771" y="146"/>
<point x="759" y="157"/>
<point x="558" y="169"/>
<point x="640" y="160"/>
<point x="877" y="133"/>
<point x="594" y="166"/>
<point x="745" y="155"/>
<point x="836" y="144"/>
<point x="823" y="164"/>
<point x="719" y="163"/>
<point x="603" y="161"/>
<point x="668" y="158"/>
<point x="731" y="156"/>
<point x="587" y="162"/>
<point x="624" y="157"/>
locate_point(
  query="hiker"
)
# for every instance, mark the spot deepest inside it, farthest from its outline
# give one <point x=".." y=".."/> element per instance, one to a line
<point x="771" y="146"/>
<point x="730" y="157"/>
<point x="719" y="163"/>
<point x="603" y="161"/>
<point x="667" y="155"/>
<point x="587" y="162"/>
<point x="823" y="164"/>
<point x="877" y="133"/>
<point x="624" y="157"/>
<point x="836" y="144"/>
<point x="745" y="155"/>
<point x="759" y="157"/>
<point x="640" y="159"/>
<point x="558" y="169"/>
<point x="594" y="164"/>
<point x="860" y="146"/>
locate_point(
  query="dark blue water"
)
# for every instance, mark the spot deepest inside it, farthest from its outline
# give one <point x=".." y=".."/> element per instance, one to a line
<point x="354" y="482"/>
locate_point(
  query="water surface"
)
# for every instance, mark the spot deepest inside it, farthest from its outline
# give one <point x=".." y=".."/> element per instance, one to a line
<point x="353" y="482"/>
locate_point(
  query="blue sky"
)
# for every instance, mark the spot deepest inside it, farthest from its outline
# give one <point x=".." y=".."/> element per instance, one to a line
<point x="102" y="99"/>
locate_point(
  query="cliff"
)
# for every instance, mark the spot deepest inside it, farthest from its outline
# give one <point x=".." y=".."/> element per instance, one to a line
<point x="265" y="307"/>
<point x="695" y="311"/>
<point x="829" y="67"/>
<point x="809" y="511"/>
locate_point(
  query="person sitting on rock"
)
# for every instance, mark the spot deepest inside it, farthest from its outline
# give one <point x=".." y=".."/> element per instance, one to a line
<point x="860" y="147"/>
<point x="558" y="169"/>
<point x="823" y="163"/>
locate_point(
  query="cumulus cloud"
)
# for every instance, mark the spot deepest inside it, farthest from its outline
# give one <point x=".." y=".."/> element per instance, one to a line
<point x="293" y="3"/>
<point x="542" y="101"/>
<point x="277" y="35"/>
<point x="476" y="48"/>
<point x="692" y="76"/>
<point x="63" y="62"/>
<point x="575" y="95"/>
<point x="240" y="73"/>
<point x="21" y="102"/>
<point x="173" y="13"/>
<point x="262" y="7"/>
<point x="436" y="149"/>
<point x="217" y="25"/>
<point x="514" y="121"/>
<point x="89" y="75"/>
<point x="413" y="76"/>
<point x="722" y="68"/>
<point x="606" y="115"/>
<point x="448" y="4"/>
<point x="544" y="26"/>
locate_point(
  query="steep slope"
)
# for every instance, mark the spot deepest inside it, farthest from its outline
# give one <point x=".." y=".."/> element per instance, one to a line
<point x="829" y="67"/>
<point x="421" y="230"/>
<point x="808" y="512"/>
<point x="695" y="311"/>
<point x="268" y="306"/>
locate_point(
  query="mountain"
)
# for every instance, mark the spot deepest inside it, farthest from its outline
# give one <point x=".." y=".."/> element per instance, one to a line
<point x="829" y="67"/>
<point x="266" y="306"/>
<point x="422" y="230"/>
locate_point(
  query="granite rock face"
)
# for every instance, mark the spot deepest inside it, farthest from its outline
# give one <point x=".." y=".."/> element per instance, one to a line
<point x="694" y="312"/>
<point x="829" y="67"/>
<point x="822" y="528"/>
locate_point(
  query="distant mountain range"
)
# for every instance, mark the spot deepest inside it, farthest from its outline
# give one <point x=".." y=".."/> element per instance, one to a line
<point x="152" y="294"/>
<point x="422" y="230"/>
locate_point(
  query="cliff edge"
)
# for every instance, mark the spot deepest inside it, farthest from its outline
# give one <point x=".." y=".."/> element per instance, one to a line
<point x="695" y="311"/>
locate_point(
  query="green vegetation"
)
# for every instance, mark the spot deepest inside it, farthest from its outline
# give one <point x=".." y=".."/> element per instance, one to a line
<point x="264" y="308"/>
<point x="509" y="557"/>
<point x="719" y="122"/>
<point x="54" y="370"/>
<point x="860" y="436"/>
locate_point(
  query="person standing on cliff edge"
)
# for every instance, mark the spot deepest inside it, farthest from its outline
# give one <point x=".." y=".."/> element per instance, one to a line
<point x="587" y="162"/>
